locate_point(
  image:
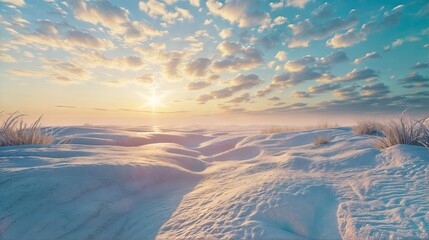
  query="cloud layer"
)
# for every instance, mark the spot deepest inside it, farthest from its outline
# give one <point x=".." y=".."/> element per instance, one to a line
<point x="222" y="55"/>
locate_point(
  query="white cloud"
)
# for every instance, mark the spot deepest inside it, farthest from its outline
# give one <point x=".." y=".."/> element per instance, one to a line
<point x="146" y="78"/>
<point x="156" y="9"/>
<point x="271" y="64"/>
<point x="314" y="29"/>
<point x="100" y="12"/>
<point x="346" y="93"/>
<point x="172" y="69"/>
<point x="399" y="42"/>
<point x="278" y="21"/>
<point x="281" y="56"/>
<point x="375" y="90"/>
<point x="28" y="54"/>
<point x="15" y="2"/>
<point x="6" y="58"/>
<point x="20" y="20"/>
<point x="226" y="33"/>
<point x="367" y="56"/>
<point x="207" y="22"/>
<point x="299" y="64"/>
<point x="244" y="12"/>
<point x="388" y="19"/>
<point x="297" y="3"/>
<point x="170" y="2"/>
<point x="276" y="5"/>
<point x="366" y="74"/>
<point x="195" y="3"/>
<point x="300" y="94"/>
<point x="197" y="68"/>
<point x="65" y="72"/>
<point x="114" y="18"/>
<point x="237" y="58"/>
<point x="47" y="35"/>
<point x="228" y="48"/>
<point x="321" y="63"/>
<point x="198" y="85"/>
<point x="351" y="37"/>
<point x="292" y="43"/>
<point x="138" y="31"/>
<point x="82" y="39"/>
<point x="95" y="59"/>
<point x="323" y="11"/>
<point x="239" y="83"/>
<point x="153" y="8"/>
<point x="307" y="29"/>
<point x="25" y="72"/>
<point x="290" y="3"/>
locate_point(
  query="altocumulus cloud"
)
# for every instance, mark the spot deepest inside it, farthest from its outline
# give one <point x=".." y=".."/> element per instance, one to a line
<point x="197" y="44"/>
<point x="239" y="83"/>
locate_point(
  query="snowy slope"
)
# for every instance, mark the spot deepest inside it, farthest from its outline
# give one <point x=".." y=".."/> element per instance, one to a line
<point x="133" y="183"/>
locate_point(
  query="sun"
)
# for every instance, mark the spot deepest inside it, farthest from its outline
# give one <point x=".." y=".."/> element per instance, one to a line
<point x="154" y="99"/>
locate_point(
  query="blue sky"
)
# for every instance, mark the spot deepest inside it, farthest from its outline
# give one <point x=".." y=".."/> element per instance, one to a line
<point x="172" y="57"/>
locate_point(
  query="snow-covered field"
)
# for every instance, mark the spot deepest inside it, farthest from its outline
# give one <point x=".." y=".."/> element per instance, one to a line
<point x="136" y="183"/>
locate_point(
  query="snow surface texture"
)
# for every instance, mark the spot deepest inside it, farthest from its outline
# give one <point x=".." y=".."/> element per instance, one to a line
<point x="135" y="183"/>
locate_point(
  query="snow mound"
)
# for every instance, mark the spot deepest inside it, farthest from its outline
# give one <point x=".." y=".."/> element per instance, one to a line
<point x="88" y="196"/>
<point x="392" y="200"/>
<point x="310" y="213"/>
<point x="240" y="153"/>
<point x="132" y="137"/>
<point x="218" y="146"/>
<point x="152" y="183"/>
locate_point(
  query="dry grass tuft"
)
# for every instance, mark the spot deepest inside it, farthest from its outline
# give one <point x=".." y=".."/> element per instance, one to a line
<point x="404" y="131"/>
<point x="285" y="129"/>
<point x="367" y="128"/>
<point x="14" y="131"/>
<point x="320" y="140"/>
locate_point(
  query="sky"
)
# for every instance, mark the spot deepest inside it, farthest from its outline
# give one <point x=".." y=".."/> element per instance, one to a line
<point x="257" y="61"/>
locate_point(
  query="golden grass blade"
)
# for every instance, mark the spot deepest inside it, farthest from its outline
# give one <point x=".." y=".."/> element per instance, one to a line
<point x="14" y="131"/>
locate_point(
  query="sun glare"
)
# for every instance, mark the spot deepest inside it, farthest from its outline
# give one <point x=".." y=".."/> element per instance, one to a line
<point x="154" y="100"/>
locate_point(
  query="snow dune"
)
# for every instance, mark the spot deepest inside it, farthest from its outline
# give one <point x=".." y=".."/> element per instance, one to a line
<point x="136" y="183"/>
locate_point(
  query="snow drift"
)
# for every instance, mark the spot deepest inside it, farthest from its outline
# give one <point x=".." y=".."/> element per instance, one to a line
<point x="132" y="183"/>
